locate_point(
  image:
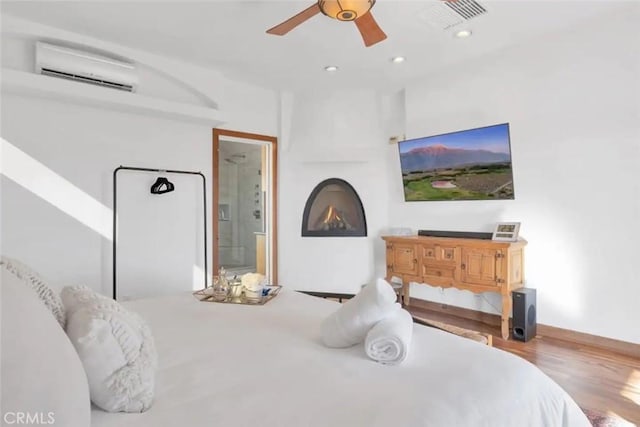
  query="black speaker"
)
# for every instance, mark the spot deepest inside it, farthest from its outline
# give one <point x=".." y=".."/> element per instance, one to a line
<point x="524" y="314"/>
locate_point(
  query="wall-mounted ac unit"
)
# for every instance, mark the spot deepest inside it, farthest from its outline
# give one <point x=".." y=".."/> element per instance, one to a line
<point x="72" y="64"/>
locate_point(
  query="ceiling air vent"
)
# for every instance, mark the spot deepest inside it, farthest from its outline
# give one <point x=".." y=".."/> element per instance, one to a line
<point x="448" y="14"/>
<point x="466" y="8"/>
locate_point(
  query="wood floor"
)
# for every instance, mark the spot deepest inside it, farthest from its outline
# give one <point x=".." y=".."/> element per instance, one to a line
<point x="602" y="381"/>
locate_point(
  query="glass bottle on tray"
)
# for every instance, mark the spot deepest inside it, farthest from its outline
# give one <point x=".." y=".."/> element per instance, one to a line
<point x="220" y="285"/>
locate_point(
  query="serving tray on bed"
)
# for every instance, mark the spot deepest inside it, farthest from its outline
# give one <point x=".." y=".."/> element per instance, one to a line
<point x="206" y="295"/>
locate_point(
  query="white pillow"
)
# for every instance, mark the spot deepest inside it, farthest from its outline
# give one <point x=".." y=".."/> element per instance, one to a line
<point x="49" y="297"/>
<point x="41" y="372"/>
<point x="116" y="349"/>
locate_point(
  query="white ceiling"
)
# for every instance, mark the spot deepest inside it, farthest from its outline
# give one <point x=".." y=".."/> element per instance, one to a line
<point x="230" y="35"/>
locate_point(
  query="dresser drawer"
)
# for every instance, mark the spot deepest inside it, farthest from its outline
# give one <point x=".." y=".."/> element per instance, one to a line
<point x="439" y="271"/>
<point x="439" y="253"/>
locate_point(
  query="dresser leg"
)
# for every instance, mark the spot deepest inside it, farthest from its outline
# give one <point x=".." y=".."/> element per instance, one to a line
<point x="405" y="294"/>
<point x="506" y="312"/>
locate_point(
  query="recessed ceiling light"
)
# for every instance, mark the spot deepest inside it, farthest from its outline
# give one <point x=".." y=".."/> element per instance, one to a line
<point x="398" y="59"/>
<point x="463" y="34"/>
<point x="331" y="68"/>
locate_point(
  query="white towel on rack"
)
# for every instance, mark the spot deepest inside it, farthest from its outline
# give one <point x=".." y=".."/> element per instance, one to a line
<point x="389" y="340"/>
<point x="351" y="322"/>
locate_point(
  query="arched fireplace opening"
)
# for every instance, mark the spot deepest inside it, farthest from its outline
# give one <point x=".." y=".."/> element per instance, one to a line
<point x="334" y="209"/>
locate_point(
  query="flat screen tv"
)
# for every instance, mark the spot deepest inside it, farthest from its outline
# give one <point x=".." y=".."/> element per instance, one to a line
<point x="472" y="164"/>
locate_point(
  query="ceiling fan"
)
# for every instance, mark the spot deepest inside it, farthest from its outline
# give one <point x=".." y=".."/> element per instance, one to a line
<point x="358" y="11"/>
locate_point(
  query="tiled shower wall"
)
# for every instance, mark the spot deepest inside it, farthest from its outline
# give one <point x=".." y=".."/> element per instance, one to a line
<point x="241" y="213"/>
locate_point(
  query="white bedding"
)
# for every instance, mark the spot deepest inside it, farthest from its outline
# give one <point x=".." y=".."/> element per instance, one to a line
<point x="235" y="365"/>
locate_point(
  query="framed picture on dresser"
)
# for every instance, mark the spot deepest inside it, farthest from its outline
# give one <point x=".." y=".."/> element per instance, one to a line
<point x="506" y="231"/>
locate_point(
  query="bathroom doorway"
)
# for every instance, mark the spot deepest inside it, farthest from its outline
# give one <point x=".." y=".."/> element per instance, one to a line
<point x="244" y="203"/>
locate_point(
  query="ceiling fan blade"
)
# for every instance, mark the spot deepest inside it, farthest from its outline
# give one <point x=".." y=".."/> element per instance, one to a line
<point x="294" y="21"/>
<point x="371" y="32"/>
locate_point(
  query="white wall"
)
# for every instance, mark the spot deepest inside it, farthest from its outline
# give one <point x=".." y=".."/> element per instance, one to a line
<point x="249" y="108"/>
<point x="160" y="236"/>
<point x="572" y="103"/>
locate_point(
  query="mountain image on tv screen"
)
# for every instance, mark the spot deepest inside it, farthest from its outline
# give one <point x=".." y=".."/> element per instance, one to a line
<point x="473" y="164"/>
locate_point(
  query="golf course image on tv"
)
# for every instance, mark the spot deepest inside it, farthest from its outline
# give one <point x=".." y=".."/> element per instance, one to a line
<point x="473" y="164"/>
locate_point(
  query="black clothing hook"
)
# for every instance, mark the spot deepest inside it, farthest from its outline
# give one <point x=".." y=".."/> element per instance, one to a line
<point x="162" y="185"/>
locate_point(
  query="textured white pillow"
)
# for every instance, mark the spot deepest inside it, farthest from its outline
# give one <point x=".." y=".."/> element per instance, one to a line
<point x="41" y="372"/>
<point x="116" y="349"/>
<point x="49" y="297"/>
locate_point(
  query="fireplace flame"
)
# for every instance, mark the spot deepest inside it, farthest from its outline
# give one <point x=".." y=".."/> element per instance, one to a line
<point x="333" y="219"/>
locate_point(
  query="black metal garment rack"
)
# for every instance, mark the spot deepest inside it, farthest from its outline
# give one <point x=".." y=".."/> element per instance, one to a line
<point x="115" y="214"/>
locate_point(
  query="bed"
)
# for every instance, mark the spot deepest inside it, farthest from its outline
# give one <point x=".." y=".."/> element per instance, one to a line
<point x="236" y="365"/>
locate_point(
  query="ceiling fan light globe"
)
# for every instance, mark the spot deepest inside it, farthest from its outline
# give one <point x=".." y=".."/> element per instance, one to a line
<point x="345" y="10"/>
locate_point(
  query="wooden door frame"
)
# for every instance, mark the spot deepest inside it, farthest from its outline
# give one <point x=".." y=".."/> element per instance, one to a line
<point x="273" y="243"/>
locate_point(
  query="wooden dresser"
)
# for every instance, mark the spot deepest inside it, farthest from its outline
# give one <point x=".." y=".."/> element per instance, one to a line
<point x="475" y="265"/>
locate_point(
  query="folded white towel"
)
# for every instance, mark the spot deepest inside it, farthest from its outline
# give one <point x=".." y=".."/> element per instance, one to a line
<point x="389" y="340"/>
<point x="351" y="322"/>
